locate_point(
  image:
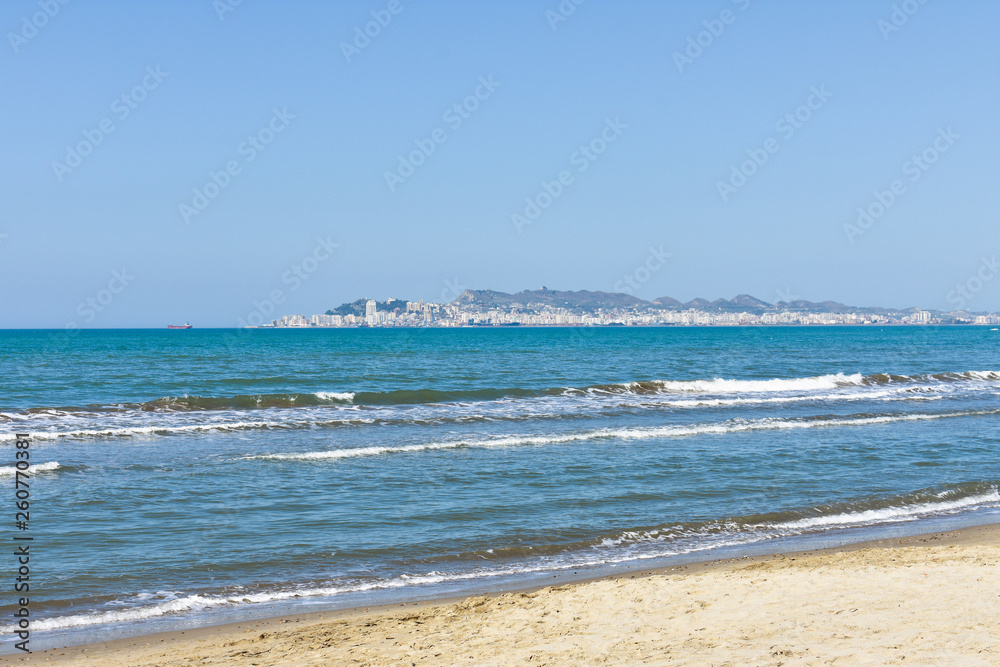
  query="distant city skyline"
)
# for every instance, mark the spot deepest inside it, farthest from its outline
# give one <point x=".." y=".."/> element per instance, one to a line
<point x="546" y="307"/>
<point x="302" y="154"/>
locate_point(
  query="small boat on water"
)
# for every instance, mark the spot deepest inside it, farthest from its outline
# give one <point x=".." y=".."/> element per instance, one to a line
<point x="186" y="325"/>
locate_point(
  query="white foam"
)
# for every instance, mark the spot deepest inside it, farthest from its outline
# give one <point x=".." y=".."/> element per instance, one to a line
<point x="892" y="514"/>
<point x="779" y="385"/>
<point x="732" y="426"/>
<point x="164" y="429"/>
<point x="723" y="386"/>
<point x="145" y="430"/>
<point x="887" y="394"/>
<point x="342" y="396"/>
<point x="201" y="602"/>
<point x="8" y="471"/>
<point x="374" y="451"/>
<point x="983" y="375"/>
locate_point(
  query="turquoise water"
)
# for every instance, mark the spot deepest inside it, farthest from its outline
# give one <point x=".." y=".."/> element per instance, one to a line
<point x="190" y="477"/>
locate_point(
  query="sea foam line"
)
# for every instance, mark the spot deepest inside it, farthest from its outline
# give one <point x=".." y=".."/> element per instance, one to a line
<point x="891" y="514"/>
<point x="200" y="602"/>
<point x="806" y="525"/>
<point x="900" y="394"/>
<point x="626" y="434"/>
<point x="165" y="429"/>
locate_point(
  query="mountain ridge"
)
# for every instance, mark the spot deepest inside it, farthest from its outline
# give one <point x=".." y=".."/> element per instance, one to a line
<point x="590" y="300"/>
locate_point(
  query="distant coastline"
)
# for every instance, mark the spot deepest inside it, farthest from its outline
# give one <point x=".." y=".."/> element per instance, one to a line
<point x="556" y="308"/>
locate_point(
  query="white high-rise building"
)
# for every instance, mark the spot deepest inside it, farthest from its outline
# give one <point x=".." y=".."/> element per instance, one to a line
<point x="371" y="311"/>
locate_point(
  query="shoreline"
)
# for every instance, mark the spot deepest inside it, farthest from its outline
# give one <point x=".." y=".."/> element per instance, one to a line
<point x="132" y="650"/>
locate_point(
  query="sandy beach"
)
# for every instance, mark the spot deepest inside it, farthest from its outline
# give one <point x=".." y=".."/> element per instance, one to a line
<point x="932" y="599"/>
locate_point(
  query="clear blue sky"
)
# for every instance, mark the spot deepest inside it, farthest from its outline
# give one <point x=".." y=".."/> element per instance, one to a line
<point x="886" y="96"/>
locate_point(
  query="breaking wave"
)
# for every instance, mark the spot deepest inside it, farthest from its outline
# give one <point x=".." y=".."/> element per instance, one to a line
<point x="334" y="399"/>
<point x="8" y="471"/>
<point x="731" y="426"/>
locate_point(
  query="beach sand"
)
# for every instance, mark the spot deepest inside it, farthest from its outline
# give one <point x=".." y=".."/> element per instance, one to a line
<point x="928" y="600"/>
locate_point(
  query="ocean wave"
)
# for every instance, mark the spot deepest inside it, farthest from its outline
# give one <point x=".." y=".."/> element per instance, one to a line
<point x="166" y="429"/>
<point x="334" y="409"/>
<point x="245" y="402"/>
<point x="967" y="376"/>
<point x="513" y="415"/>
<point x="8" y="471"/>
<point x="893" y="514"/>
<point x="142" y="430"/>
<point x="756" y="388"/>
<point x="774" y="385"/>
<point x="731" y="426"/>
<point x="851" y="514"/>
<point x="710" y="401"/>
<point x="339" y="396"/>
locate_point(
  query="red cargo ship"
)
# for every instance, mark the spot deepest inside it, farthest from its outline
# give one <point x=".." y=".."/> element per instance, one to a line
<point x="179" y="326"/>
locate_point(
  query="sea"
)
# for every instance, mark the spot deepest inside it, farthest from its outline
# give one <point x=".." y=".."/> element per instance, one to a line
<point x="188" y="478"/>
